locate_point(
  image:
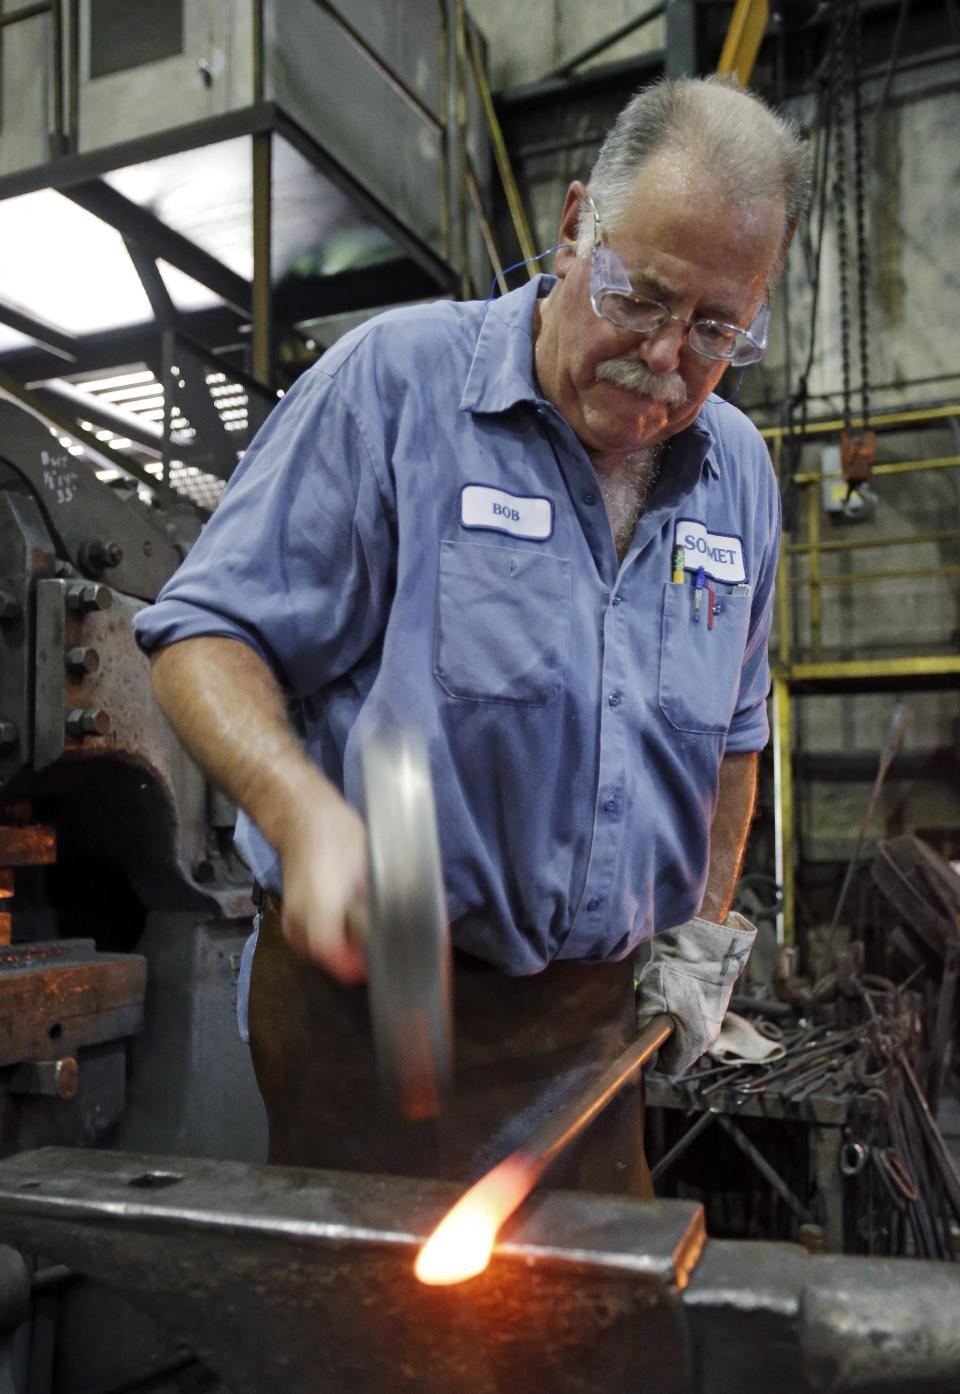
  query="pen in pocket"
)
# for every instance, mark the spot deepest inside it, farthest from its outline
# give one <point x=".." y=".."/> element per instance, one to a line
<point x="676" y="566"/>
<point x="698" y="592"/>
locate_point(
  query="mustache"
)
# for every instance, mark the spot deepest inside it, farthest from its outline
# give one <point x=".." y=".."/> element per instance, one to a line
<point x="667" y="388"/>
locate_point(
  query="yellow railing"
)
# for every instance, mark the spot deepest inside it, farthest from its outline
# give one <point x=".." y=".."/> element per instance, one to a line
<point x="791" y="677"/>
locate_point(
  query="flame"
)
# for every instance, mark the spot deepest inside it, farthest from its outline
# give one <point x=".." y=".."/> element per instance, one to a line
<point x="461" y="1245"/>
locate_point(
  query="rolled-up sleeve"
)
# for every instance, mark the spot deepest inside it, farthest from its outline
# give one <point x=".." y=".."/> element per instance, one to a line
<point x="750" y="728"/>
<point x="296" y="561"/>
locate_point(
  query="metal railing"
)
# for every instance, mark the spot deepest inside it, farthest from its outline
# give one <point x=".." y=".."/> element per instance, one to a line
<point x="64" y="20"/>
<point x="813" y="547"/>
<point x="791" y="677"/>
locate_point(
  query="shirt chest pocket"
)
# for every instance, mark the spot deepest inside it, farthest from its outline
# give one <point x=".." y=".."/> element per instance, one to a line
<point x="700" y="666"/>
<point x="503" y="623"/>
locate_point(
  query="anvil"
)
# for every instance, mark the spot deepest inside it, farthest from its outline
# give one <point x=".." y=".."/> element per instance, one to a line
<point x="286" y="1279"/>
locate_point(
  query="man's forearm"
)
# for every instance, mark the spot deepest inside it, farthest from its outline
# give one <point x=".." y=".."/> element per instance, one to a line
<point x="227" y="709"/>
<point x="728" y="833"/>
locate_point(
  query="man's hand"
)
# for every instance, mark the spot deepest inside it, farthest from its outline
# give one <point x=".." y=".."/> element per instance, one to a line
<point x="689" y="975"/>
<point x="227" y="708"/>
<point x="324" y="860"/>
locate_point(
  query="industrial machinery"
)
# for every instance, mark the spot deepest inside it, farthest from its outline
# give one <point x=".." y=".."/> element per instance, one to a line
<point x="124" y="909"/>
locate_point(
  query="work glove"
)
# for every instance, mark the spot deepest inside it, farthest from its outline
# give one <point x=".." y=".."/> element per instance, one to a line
<point x="688" y="974"/>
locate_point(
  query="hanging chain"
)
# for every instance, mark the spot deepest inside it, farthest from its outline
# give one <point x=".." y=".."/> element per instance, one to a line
<point x="857" y="448"/>
<point x="838" y="75"/>
<point x="859" y="196"/>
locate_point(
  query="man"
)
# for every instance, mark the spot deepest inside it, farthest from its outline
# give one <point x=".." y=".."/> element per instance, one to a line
<point x="529" y="530"/>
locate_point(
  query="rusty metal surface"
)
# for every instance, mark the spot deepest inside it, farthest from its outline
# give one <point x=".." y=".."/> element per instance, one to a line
<point x="136" y="769"/>
<point x="60" y="995"/>
<point x="289" y="1280"/>
<point x="295" y="1281"/>
<point x="29" y="846"/>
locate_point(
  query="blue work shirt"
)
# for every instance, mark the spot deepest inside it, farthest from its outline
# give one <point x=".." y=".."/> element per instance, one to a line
<point x="417" y="537"/>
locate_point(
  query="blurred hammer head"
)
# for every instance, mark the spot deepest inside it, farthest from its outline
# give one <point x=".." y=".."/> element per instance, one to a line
<point x="407" y="939"/>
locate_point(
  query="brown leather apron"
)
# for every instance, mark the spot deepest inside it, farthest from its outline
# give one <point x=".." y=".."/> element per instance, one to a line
<point x="523" y="1047"/>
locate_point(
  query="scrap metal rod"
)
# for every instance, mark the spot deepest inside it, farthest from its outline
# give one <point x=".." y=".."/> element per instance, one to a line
<point x="557" y="1132"/>
<point x="495" y="1197"/>
<point x="681" y="1145"/>
<point x="764" y="1168"/>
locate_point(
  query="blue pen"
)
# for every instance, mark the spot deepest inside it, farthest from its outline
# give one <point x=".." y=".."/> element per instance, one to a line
<point x="698" y="584"/>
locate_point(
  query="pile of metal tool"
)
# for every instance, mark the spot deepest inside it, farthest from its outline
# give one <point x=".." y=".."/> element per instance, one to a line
<point x="901" y="1188"/>
<point x="849" y="1142"/>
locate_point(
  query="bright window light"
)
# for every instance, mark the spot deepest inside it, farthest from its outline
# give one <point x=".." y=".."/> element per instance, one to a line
<point x="12" y="339"/>
<point x="185" y="292"/>
<point x="71" y="269"/>
<point x="117" y="380"/>
<point x="150" y="388"/>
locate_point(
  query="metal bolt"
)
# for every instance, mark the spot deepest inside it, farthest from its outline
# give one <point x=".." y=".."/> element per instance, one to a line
<point x="95" y="556"/>
<point x="9" y="608"/>
<point x="81" y="660"/>
<point x="8" y="735"/>
<point x="88" y="721"/>
<point x="89" y="597"/>
<point x="57" y="1078"/>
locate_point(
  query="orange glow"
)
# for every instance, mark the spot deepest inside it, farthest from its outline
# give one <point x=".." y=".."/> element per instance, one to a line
<point x="461" y="1245"/>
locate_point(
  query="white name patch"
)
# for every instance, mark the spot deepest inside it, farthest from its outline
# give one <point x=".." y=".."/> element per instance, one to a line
<point x="495" y="509"/>
<point x="720" y="554"/>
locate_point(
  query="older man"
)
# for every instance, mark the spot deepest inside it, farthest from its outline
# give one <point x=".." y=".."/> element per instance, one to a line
<point x="528" y="529"/>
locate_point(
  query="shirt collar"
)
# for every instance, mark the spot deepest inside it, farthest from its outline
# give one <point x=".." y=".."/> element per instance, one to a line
<point x="697" y="440"/>
<point x="502" y="372"/>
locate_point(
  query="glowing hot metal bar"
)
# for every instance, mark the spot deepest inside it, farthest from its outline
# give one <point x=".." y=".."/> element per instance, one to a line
<point x="460" y="1246"/>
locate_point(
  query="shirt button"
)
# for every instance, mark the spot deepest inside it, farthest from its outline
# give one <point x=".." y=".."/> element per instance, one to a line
<point x="616" y="600"/>
<point x="717" y="607"/>
<point x="589" y="498"/>
<point x="610" y="806"/>
<point x="615" y="699"/>
<point x="595" y="903"/>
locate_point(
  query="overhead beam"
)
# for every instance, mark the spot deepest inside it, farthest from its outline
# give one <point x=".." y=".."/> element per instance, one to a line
<point x="54" y="340"/>
<point x="392" y="282"/>
<point x="159" y="240"/>
<point x="155" y="288"/>
<point x="295" y="301"/>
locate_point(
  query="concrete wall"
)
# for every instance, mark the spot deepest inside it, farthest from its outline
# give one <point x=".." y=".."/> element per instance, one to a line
<point x="527" y="43"/>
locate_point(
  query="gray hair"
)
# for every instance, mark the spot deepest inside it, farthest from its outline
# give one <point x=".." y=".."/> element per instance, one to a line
<point x="753" y="153"/>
